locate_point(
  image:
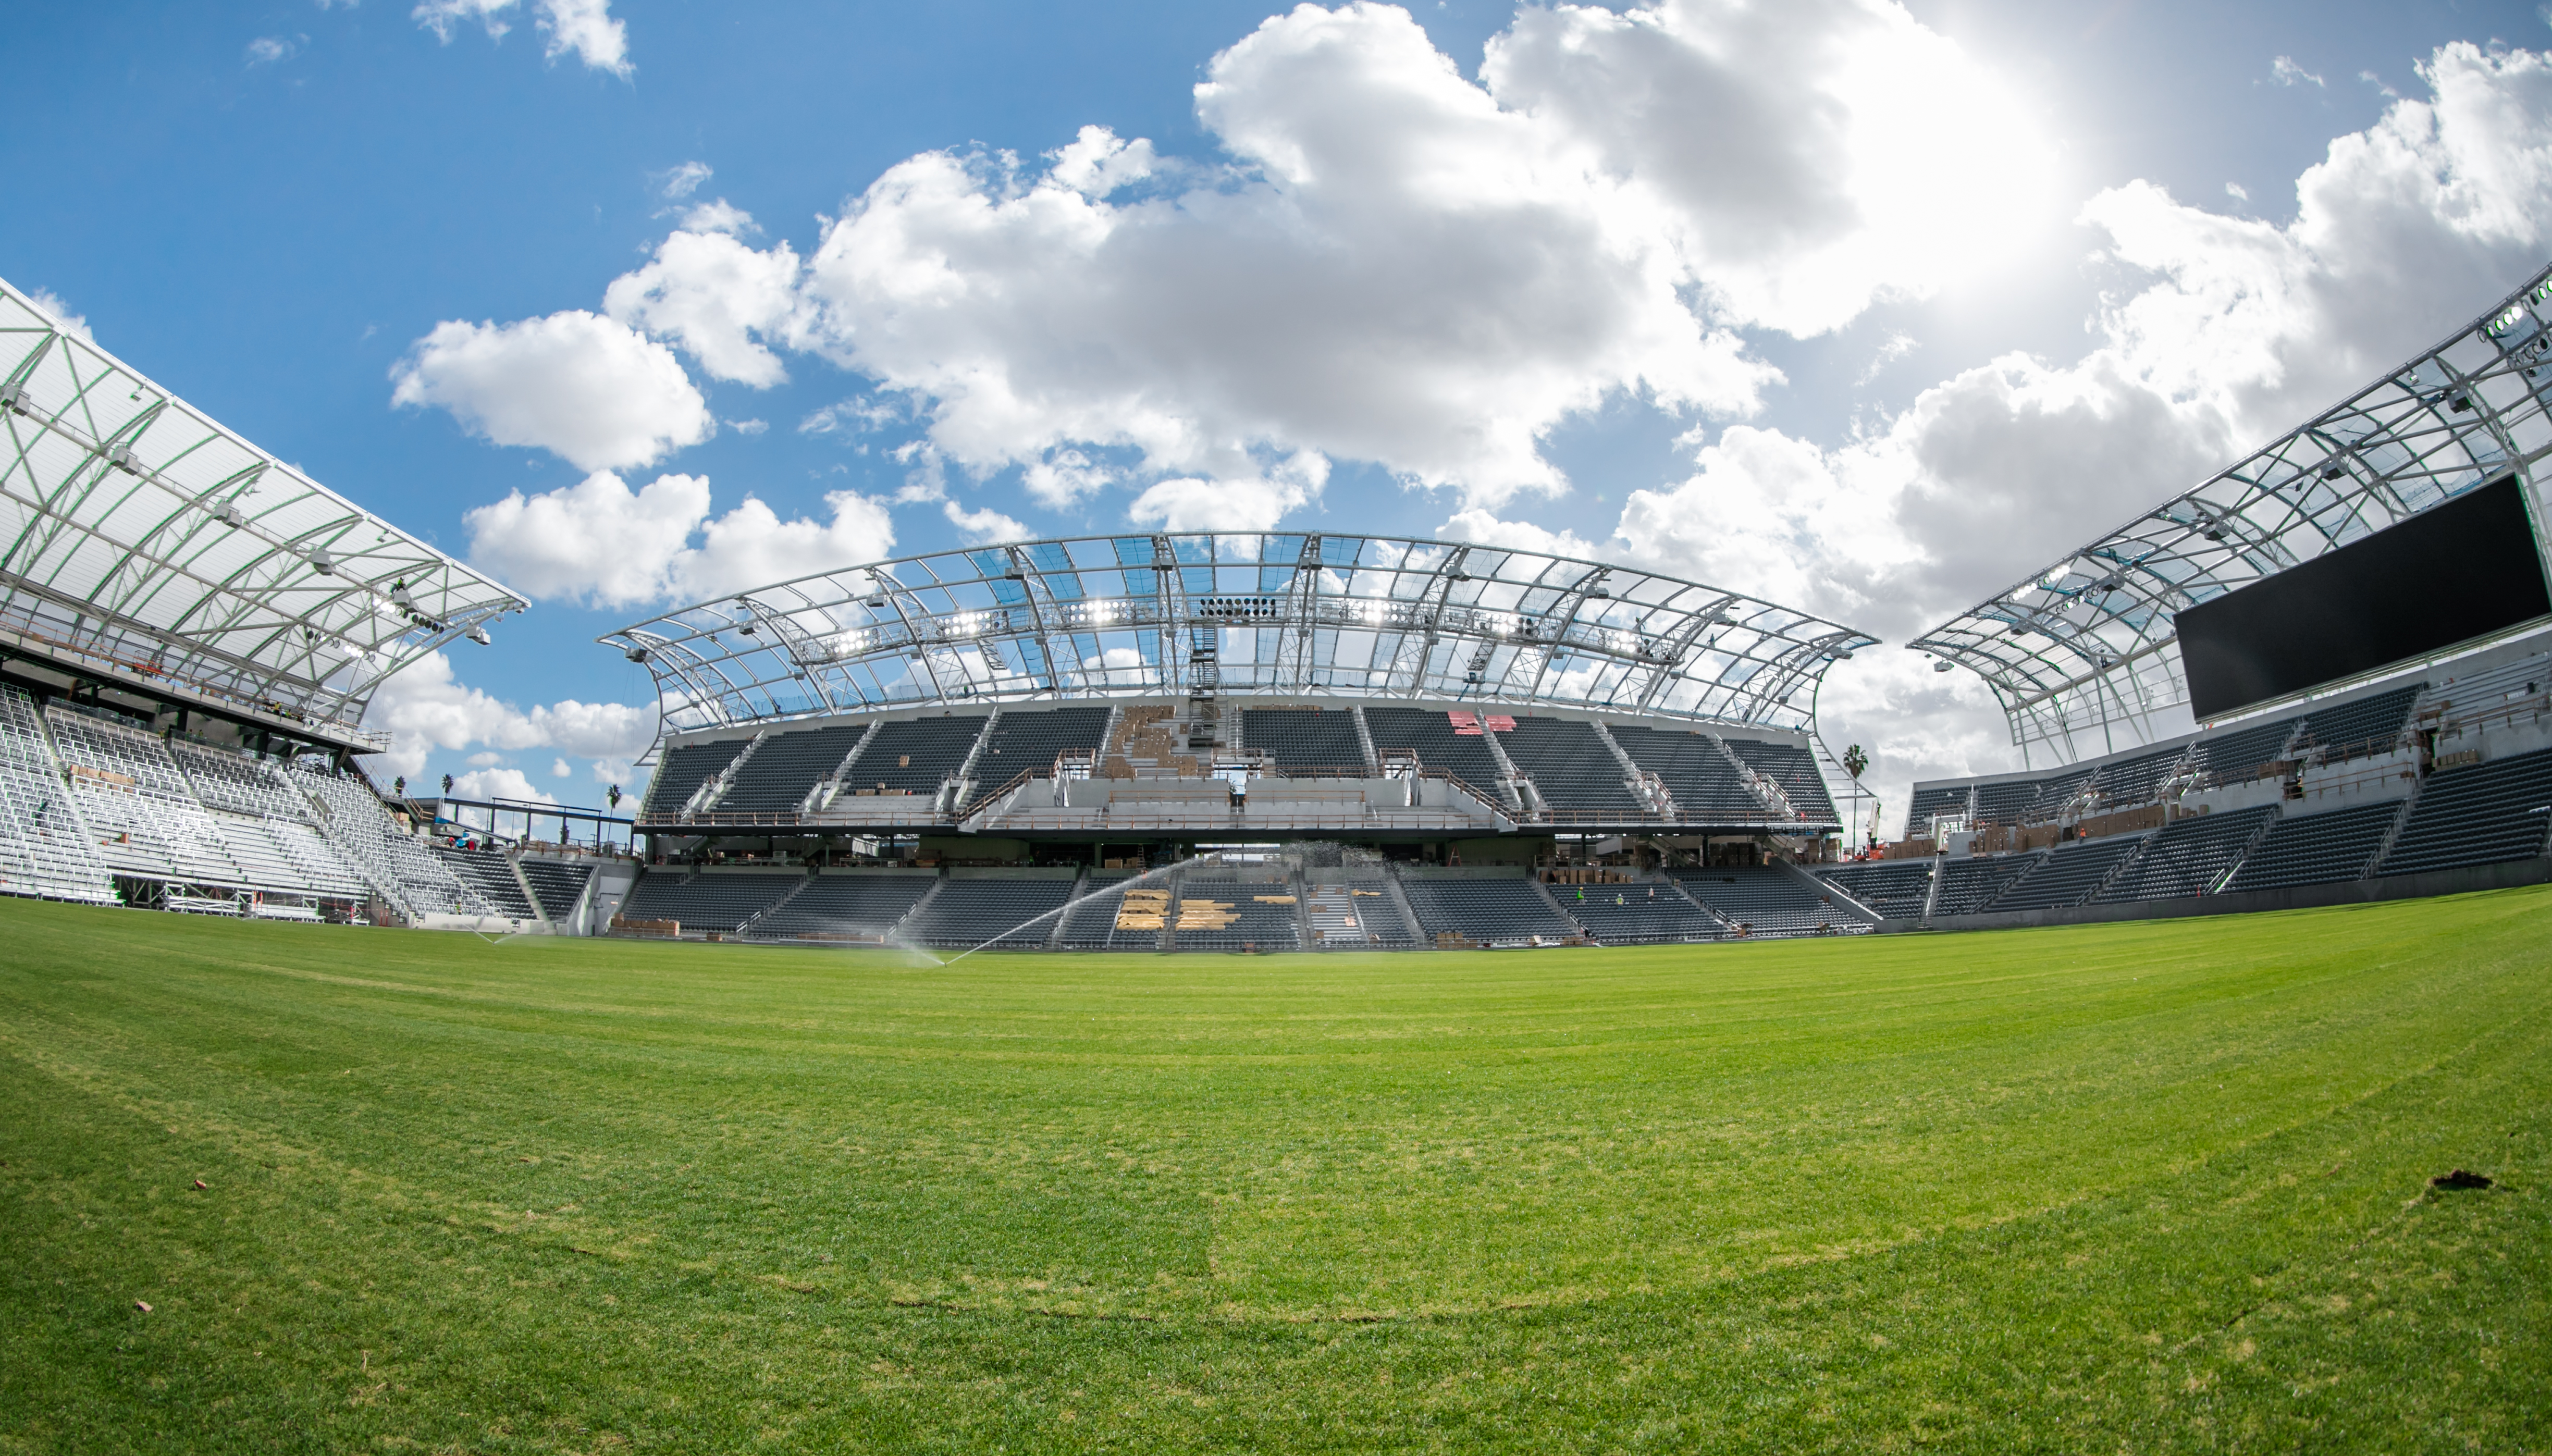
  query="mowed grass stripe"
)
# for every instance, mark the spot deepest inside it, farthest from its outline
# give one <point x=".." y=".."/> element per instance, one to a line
<point x="2158" y="1183"/>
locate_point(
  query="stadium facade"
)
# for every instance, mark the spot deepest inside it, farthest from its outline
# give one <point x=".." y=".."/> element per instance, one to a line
<point x="191" y="631"/>
<point x="1429" y="731"/>
<point x="2350" y="623"/>
<point x="2324" y="675"/>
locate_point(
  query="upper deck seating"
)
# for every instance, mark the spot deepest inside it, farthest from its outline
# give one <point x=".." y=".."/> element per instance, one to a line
<point x="2241" y="753"/>
<point x="1234" y="914"/>
<point x="1643" y="913"/>
<point x="1699" y="778"/>
<point x="2370" y="725"/>
<point x="1029" y="740"/>
<point x="704" y="901"/>
<point x="1763" y="901"/>
<point x="2317" y="849"/>
<point x="914" y="755"/>
<point x="1573" y="770"/>
<point x="1894" y="888"/>
<point x="1940" y="800"/>
<point x="1429" y="734"/>
<point x="558" y="884"/>
<point x="2007" y="802"/>
<point x="685" y="767"/>
<point x="1484" y="909"/>
<point x="978" y="911"/>
<point x="2127" y="782"/>
<point x="1303" y="738"/>
<point x="2484" y="814"/>
<point x="785" y="768"/>
<point x="846" y="907"/>
<point x="2472" y="693"/>
<point x="1969" y="886"/>
<point x="1794" y="769"/>
<point x="224" y="780"/>
<point x="2187" y="857"/>
<point x="2069" y="874"/>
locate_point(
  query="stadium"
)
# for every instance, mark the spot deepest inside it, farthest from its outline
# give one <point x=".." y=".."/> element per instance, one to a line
<point x="1743" y="1154"/>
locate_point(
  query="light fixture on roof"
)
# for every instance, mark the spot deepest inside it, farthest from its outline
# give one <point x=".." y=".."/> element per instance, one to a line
<point x="322" y="561"/>
<point x="478" y="634"/>
<point x="400" y="594"/>
<point x="636" y="654"/>
<point x="1942" y="665"/>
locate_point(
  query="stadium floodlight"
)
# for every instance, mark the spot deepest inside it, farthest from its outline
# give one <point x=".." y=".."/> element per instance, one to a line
<point x="1133" y="616"/>
<point x="2470" y="411"/>
<point x="157" y="551"/>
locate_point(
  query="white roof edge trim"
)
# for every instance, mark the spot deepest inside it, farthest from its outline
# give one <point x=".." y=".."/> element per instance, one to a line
<point x="137" y="532"/>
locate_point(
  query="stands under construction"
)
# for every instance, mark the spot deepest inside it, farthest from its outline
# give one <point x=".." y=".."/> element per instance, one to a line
<point x="1298" y="740"/>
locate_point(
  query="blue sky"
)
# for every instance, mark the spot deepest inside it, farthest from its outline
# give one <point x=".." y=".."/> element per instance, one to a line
<point x="1865" y="308"/>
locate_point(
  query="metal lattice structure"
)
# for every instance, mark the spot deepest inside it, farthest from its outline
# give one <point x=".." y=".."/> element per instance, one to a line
<point x="148" y="546"/>
<point x="2080" y="655"/>
<point x="1252" y="613"/>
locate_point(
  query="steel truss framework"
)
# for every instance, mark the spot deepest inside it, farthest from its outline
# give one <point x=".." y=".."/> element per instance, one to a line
<point x="1256" y="613"/>
<point x="2080" y="655"/>
<point x="141" y="536"/>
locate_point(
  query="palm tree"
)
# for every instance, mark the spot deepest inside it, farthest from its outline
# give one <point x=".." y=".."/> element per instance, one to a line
<point x="1854" y="761"/>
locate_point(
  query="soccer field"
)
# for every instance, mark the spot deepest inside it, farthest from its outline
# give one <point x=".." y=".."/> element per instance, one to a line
<point x="2158" y="1185"/>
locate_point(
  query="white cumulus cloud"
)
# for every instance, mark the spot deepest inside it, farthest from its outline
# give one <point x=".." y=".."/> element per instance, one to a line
<point x="600" y="543"/>
<point x="70" y="322"/>
<point x="2234" y="332"/>
<point x="1388" y="261"/>
<point x="582" y="386"/>
<point x="426" y="708"/>
<point x="712" y="294"/>
<point x="984" y="527"/>
<point x="584" y="27"/>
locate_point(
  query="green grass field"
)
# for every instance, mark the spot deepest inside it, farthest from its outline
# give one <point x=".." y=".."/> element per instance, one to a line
<point x="2152" y="1187"/>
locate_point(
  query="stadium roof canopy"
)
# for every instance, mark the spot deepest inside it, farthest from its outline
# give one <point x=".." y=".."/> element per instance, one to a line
<point x="148" y="549"/>
<point x="1257" y="613"/>
<point x="2080" y="653"/>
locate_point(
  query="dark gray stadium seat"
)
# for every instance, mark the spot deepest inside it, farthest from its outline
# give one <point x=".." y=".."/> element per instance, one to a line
<point x="558" y="884"/>
<point x="1794" y="767"/>
<point x="1645" y="914"/>
<point x="1303" y="738"/>
<point x="916" y="755"/>
<point x="2317" y="849"/>
<point x="485" y="871"/>
<point x="1573" y="770"/>
<point x="2371" y="725"/>
<point x="1255" y="924"/>
<point x="1968" y="886"/>
<point x="845" y="905"/>
<point x="1029" y="740"/>
<point x="1894" y="888"/>
<point x="704" y="901"/>
<point x="1484" y="909"/>
<point x="2187" y="857"/>
<point x="2484" y="814"/>
<point x="785" y="768"/>
<point x="1766" y="902"/>
<point x="1429" y="734"/>
<point x="685" y="767"/>
<point x="1700" y="779"/>
<point x="973" y="911"/>
<point x="2067" y="876"/>
<point x="2241" y="753"/>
